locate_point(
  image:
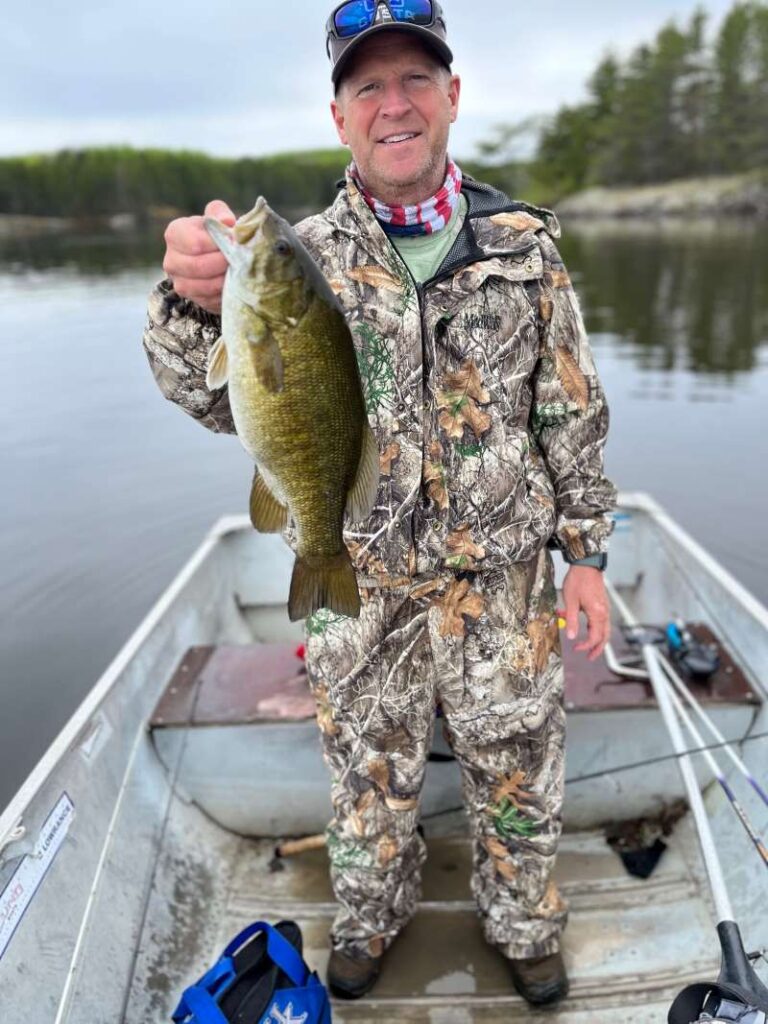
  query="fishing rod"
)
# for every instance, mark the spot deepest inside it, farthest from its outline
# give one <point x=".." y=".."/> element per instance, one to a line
<point x="684" y="692"/>
<point x="620" y="668"/>
<point x="741" y="813"/>
<point x="738" y="993"/>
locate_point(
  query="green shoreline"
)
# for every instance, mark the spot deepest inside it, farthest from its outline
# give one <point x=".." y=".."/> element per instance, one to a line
<point x="702" y="197"/>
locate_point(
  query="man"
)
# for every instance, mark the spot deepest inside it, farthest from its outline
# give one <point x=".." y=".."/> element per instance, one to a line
<point x="491" y="422"/>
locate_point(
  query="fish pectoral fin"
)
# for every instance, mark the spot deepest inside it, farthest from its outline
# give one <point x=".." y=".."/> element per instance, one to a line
<point x="268" y="515"/>
<point x="362" y="494"/>
<point x="323" y="582"/>
<point x="217" y="374"/>
<point x="267" y="360"/>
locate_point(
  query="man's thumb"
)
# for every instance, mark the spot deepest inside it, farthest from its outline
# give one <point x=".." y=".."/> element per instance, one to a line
<point x="218" y="208"/>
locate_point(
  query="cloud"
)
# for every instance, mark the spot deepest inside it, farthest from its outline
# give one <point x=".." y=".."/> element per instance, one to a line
<point x="240" y="78"/>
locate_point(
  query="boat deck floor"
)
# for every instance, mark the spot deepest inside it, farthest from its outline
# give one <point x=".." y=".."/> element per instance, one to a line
<point x="630" y="944"/>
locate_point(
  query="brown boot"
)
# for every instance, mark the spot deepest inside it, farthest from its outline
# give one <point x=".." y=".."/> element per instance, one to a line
<point x="350" y="977"/>
<point x="540" y="979"/>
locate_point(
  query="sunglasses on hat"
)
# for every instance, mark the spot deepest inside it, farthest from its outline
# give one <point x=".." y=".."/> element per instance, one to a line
<point x="355" y="16"/>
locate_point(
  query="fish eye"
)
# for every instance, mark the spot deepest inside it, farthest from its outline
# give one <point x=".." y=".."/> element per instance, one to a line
<point x="282" y="248"/>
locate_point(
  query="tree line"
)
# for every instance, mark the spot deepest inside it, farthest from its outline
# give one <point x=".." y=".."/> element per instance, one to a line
<point x="96" y="182"/>
<point x="681" y="106"/>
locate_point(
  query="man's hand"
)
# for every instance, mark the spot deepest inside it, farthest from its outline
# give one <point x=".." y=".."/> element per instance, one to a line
<point x="584" y="589"/>
<point x="193" y="261"/>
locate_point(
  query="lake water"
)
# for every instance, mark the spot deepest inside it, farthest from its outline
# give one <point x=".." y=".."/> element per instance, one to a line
<point x="107" y="488"/>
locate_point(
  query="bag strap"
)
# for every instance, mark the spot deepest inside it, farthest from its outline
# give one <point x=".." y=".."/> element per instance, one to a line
<point x="201" y="1005"/>
<point x="279" y="949"/>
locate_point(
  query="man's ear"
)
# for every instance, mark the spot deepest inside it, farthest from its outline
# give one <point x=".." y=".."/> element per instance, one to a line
<point x="338" y="120"/>
<point x="454" y="91"/>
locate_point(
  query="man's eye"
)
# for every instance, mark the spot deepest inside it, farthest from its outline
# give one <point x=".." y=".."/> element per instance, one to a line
<point x="367" y="88"/>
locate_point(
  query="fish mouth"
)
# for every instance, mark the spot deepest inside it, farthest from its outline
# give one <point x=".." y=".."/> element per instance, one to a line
<point x="252" y="222"/>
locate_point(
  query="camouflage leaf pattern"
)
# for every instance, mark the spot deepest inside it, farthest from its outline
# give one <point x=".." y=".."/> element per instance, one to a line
<point x="489" y="365"/>
<point x="462" y="644"/>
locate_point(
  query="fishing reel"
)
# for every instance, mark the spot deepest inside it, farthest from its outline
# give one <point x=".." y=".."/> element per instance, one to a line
<point x="737" y="994"/>
<point x="698" y="660"/>
<point x="694" y="658"/>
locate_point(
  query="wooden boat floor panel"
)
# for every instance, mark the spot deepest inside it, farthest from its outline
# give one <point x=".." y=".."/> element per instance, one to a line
<point x="235" y="684"/>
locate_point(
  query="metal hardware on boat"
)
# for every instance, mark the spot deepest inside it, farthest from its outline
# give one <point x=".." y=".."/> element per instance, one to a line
<point x="14" y="835"/>
<point x="620" y="668"/>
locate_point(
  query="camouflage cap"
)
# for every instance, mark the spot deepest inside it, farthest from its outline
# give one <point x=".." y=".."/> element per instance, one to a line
<point x="340" y="50"/>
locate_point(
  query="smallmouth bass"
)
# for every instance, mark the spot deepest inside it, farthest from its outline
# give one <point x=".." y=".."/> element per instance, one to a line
<point x="287" y="357"/>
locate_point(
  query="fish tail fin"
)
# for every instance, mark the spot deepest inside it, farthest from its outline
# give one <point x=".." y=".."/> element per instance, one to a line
<point x="328" y="582"/>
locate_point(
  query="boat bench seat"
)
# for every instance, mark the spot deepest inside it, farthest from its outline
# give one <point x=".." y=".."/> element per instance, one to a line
<point x="236" y="684"/>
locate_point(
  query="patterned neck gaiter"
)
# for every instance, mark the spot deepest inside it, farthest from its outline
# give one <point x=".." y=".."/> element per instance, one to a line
<point x="421" y="219"/>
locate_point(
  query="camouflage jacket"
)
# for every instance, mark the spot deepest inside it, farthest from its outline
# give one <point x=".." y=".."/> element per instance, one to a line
<point x="480" y="386"/>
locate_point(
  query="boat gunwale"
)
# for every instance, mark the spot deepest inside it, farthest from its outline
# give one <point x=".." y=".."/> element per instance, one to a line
<point x="71" y="731"/>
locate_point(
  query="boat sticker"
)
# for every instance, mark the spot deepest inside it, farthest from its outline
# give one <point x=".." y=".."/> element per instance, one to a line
<point x="26" y="879"/>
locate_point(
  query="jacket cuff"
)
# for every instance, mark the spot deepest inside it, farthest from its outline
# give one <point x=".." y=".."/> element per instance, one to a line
<point x="577" y="540"/>
<point x="177" y="338"/>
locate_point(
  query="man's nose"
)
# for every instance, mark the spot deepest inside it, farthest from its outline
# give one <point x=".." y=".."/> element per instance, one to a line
<point x="396" y="101"/>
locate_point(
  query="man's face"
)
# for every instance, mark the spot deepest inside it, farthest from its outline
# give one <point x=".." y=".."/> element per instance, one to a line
<point x="393" y="87"/>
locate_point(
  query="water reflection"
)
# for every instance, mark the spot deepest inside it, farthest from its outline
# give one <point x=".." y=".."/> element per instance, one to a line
<point x="674" y="295"/>
<point x="690" y="296"/>
<point x="101" y="255"/>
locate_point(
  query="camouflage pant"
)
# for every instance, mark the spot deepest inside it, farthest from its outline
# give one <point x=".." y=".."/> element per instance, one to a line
<point x="487" y="650"/>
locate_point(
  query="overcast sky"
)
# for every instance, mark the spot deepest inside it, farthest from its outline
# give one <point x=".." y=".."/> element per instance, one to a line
<point x="236" y="78"/>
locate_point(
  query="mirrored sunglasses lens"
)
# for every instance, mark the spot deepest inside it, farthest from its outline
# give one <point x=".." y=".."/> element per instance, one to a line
<point x="355" y="17"/>
<point x="417" y="12"/>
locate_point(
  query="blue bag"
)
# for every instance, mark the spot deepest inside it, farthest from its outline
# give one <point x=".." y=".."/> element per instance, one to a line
<point x="260" y="978"/>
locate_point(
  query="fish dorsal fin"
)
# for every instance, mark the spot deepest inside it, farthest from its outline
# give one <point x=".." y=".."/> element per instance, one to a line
<point x="217" y="374"/>
<point x="268" y="515"/>
<point x="362" y="493"/>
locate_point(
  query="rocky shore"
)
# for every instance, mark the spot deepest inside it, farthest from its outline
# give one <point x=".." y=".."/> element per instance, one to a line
<point x="744" y="194"/>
